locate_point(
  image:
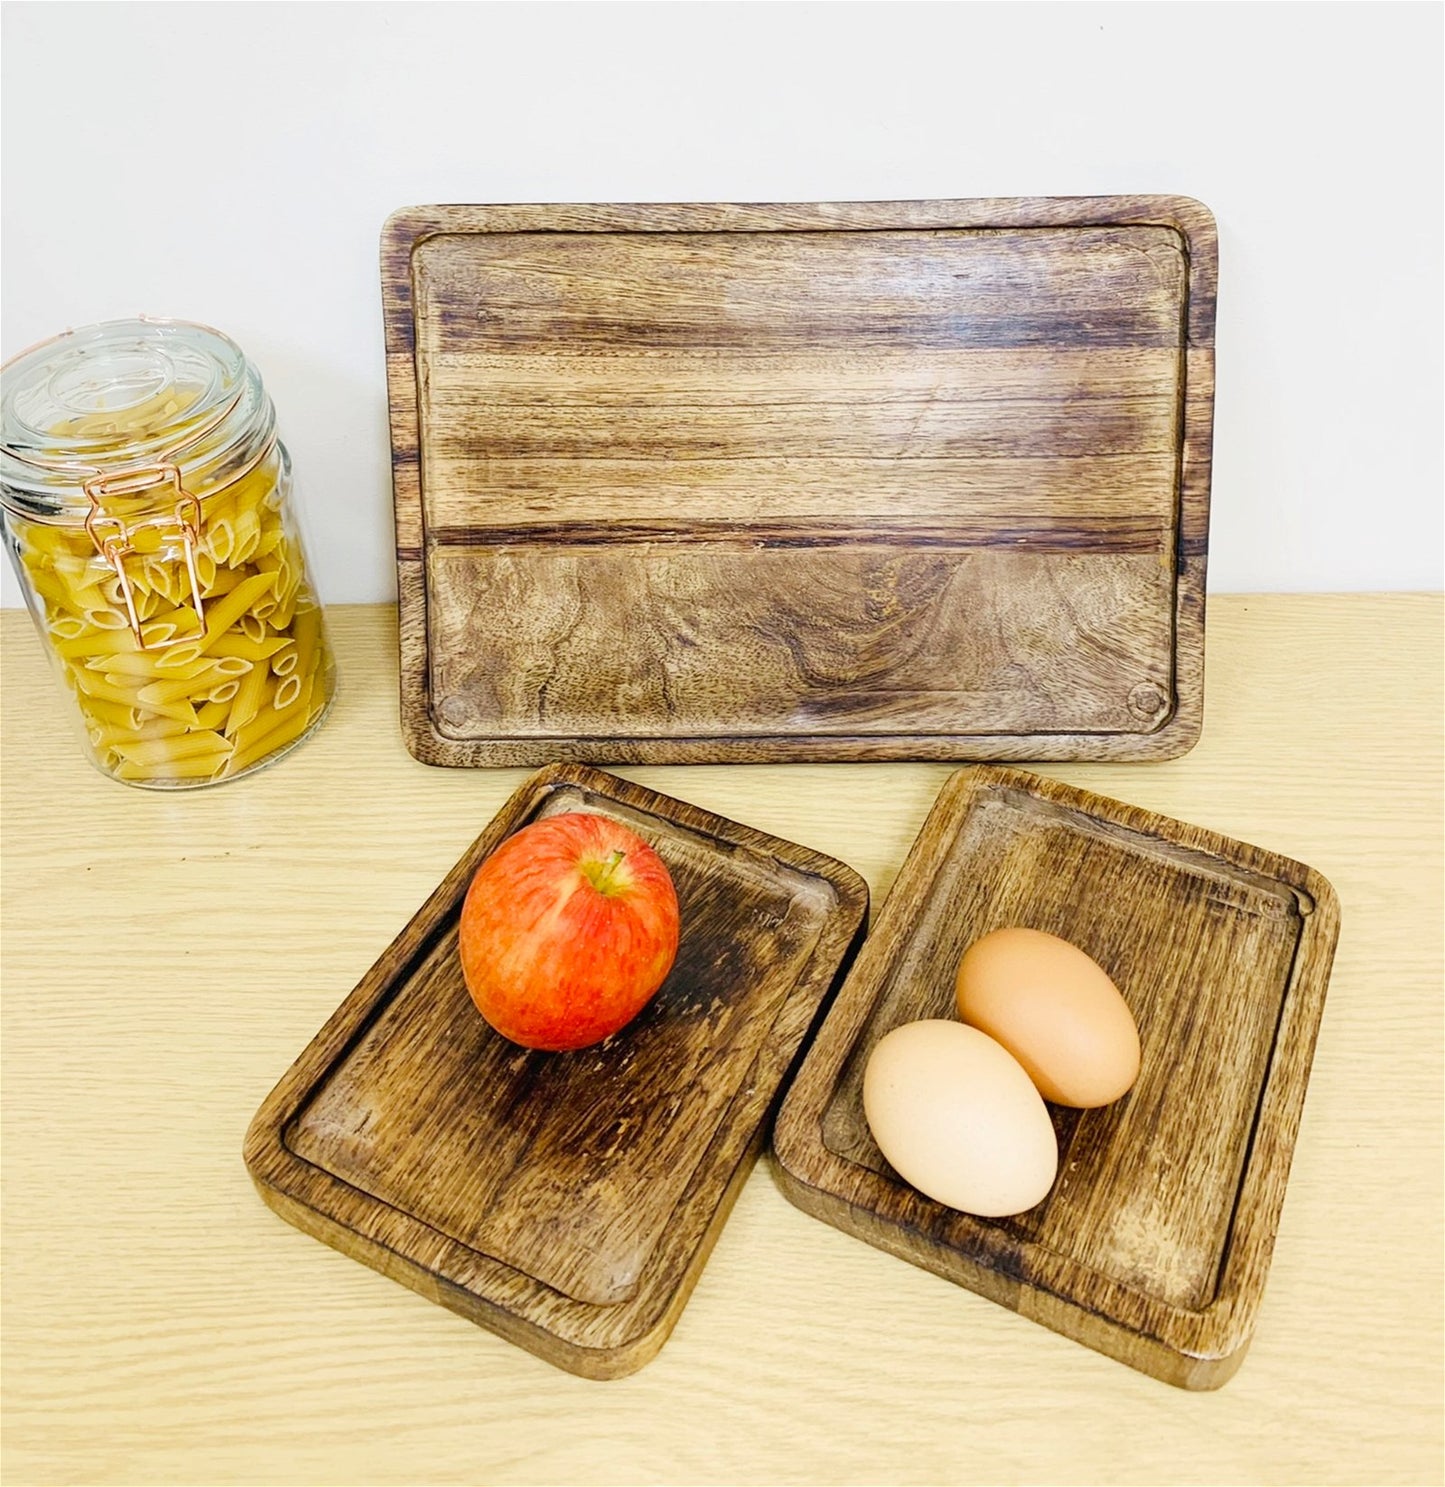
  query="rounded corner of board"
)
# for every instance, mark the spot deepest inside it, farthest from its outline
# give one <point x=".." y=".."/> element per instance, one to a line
<point x="1204" y="1375"/>
<point x="427" y="745"/>
<point x="1194" y="218"/>
<point x="405" y="226"/>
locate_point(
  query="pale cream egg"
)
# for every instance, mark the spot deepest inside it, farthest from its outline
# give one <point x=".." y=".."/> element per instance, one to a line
<point x="959" y="1119"/>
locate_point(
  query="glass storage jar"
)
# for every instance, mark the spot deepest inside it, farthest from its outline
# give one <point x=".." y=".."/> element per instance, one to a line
<point x="146" y="503"/>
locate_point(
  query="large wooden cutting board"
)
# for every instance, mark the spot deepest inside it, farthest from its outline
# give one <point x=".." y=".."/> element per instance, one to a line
<point x="867" y="481"/>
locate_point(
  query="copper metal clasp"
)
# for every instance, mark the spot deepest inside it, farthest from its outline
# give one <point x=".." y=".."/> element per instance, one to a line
<point x="118" y="543"/>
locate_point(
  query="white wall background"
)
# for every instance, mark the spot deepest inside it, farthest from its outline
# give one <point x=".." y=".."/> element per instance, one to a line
<point x="233" y="163"/>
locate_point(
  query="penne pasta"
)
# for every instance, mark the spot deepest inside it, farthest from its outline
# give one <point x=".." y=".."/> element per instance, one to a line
<point x="50" y="542"/>
<point x="154" y="665"/>
<point x="104" y="691"/>
<point x="182" y="620"/>
<point x="115" y="737"/>
<point x="227" y="610"/>
<point x="284" y="728"/>
<point x="77" y="564"/>
<point x="150" y="604"/>
<point x="200" y="683"/>
<point x="306" y="632"/>
<point x="213" y="714"/>
<point x="157" y="633"/>
<point x="225" y="580"/>
<point x="248" y="699"/>
<point x="159" y="750"/>
<point x="50" y="588"/>
<point x="117" y="713"/>
<point x="97" y="643"/>
<point x="281" y="617"/>
<point x="176" y="657"/>
<point x="198" y="697"/>
<point x="199" y="767"/>
<point x="222" y="538"/>
<point x="234" y="644"/>
<point x="107" y="619"/>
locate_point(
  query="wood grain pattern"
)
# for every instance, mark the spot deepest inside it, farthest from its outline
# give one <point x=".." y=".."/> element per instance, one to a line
<point x="1154" y="1244"/>
<point x="163" y="961"/>
<point x="969" y="441"/>
<point x="567" y="1201"/>
<point x="878" y="638"/>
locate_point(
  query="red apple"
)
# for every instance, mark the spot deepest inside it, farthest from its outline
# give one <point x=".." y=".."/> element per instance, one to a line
<point x="568" y="929"/>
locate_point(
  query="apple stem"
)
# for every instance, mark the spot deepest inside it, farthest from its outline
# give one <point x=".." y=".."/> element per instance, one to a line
<point x="603" y="881"/>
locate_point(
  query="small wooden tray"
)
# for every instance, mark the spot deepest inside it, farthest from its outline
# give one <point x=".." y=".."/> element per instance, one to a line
<point x="901" y="480"/>
<point x="1154" y="1244"/>
<point x="566" y="1201"/>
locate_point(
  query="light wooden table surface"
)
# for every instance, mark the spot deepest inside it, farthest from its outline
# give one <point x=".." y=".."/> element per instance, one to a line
<point x="165" y="958"/>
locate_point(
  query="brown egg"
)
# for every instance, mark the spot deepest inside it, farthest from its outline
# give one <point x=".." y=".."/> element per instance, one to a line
<point x="958" y="1119"/>
<point x="1055" y="1010"/>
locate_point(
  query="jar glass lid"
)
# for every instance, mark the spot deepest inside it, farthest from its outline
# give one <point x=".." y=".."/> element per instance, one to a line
<point x="123" y="395"/>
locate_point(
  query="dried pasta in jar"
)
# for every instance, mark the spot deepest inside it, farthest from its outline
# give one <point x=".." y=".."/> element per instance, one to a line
<point x="147" y="509"/>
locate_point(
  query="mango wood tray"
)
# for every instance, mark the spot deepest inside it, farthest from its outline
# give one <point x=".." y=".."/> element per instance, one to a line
<point x="909" y="480"/>
<point x="566" y="1201"/>
<point x="1154" y="1244"/>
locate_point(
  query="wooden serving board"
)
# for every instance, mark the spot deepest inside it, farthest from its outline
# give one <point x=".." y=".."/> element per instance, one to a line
<point x="566" y="1201"/>
<point x="917" y="480"/>
<point x="1154" y="1244"/>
